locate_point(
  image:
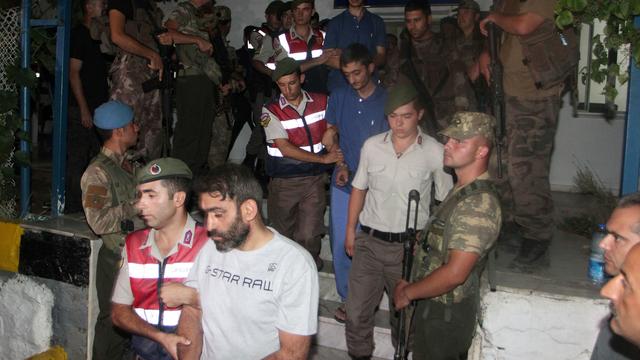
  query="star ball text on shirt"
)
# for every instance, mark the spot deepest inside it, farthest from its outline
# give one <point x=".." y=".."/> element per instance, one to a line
<point x="239" y="280"/>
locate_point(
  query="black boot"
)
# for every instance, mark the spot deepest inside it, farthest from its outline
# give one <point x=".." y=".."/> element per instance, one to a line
<point x="533" y="255"/>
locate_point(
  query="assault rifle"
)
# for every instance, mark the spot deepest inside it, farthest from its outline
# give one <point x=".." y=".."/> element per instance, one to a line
<point x="497" y="92"/>
<point x="402" y="329"/>
<point x="165" y="85"/>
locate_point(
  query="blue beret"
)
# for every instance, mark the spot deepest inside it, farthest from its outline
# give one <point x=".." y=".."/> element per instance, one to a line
<point x="112" y="115"/>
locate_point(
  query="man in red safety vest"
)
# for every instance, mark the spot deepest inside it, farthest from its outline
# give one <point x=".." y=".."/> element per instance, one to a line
<point x="148" y="294"/>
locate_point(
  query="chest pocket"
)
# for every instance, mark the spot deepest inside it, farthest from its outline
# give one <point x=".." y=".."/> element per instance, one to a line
<point x="417" y="176"/>
<point x="375" y="175"/>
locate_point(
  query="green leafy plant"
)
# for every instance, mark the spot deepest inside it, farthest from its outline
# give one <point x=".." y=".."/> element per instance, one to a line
<point x="619" y="34"/>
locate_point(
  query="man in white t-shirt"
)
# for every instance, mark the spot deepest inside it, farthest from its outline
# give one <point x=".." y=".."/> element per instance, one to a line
<point x="258" y="290"/>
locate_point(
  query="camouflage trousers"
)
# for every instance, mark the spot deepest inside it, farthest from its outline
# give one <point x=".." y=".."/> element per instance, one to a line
<point x="220" y="138"/>
<point x="128" y="72"/>
<point x="526" y="194"/>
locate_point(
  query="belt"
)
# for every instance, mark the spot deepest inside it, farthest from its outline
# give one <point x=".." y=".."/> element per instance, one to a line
<point x="385" y="236"/>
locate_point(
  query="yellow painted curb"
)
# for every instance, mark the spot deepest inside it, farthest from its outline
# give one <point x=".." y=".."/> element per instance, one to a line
<point x="10" y="234"/>
<point x="55" y="353"/>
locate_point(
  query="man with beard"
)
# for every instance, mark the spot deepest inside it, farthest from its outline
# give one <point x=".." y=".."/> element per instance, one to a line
<point x="158" y="257"/>
<point x="258" y="289"/>
<point x="623" y="232"/>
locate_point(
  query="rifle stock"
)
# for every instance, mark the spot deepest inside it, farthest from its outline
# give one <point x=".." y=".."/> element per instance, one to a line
<point x="497" y="92"/>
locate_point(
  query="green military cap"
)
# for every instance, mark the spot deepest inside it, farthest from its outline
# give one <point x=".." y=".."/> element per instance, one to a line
<point x="403" y="93"/>
<point x="274" y="7"/>
<point x="163" y="168"/>
<point x="466" y="124"/>
<point x="295" y="3"/>
<point x="469" y="4"/>
<point x="222" y="12"/>
<point x="284" y="67"/>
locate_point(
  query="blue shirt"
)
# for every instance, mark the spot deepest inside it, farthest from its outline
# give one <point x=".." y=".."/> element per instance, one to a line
<point x="345" y="29"/>
<point x="357" y="119"/>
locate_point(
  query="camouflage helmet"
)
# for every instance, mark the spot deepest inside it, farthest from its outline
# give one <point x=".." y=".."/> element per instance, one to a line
<point x="465" y="125"/>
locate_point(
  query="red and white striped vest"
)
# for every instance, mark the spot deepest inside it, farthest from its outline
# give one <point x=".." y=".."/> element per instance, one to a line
<point x="296" y="48"/>
<point x="144" y="272"/>
<point x="307" y="138"/>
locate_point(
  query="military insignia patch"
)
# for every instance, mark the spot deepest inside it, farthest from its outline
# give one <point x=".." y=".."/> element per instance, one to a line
<point x="187" y="238"/>
<point x="155" y="169"/>
<point x="264" y="120"/>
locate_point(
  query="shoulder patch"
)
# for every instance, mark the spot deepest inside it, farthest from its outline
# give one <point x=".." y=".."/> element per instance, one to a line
<point x="265" y="118"/>
<point x="95" y="197"/>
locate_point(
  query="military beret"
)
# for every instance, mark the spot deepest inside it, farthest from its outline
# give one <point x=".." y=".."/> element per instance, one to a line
<point x="163" y="168"/>
<point x="403" y="93"/>
<point x="222" y="12"/>
<point x="468" y="124"/>
<point x="274" y="7"/>
<point x="112" y="115"/>
<point x="469" y="4"/>
<point x="295" y="3"/>
<point x="284" y="67"/>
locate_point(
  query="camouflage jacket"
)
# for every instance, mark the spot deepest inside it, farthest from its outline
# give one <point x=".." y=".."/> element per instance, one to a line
<point x="440" y="69"/>
<point x="193" y="60"/>
<point x="468" y="220"/>
<point x="108" y="194"/>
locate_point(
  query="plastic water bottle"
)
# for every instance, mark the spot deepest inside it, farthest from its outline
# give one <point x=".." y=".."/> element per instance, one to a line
<point x="596" y="259"/>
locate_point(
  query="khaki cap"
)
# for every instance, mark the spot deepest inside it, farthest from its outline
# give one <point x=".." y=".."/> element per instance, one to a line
<point x="284" y="67"/>
<point x="163" y="168"/>
<point x="401" y="94"/>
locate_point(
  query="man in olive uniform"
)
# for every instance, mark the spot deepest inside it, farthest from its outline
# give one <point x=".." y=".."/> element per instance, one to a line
<point x="531" y="117"/>
<point x="108" y="194"/>
<point x="452" y="253"/>
<point x="434" y="67"/>
<point x="132" y="25"/>
<point x="196" y="84"/>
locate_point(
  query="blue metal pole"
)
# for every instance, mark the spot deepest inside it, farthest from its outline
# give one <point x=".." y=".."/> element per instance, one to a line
<point x="25" y="109"/>
<point x="61" y="92"/>
<point x="631" y="157"/>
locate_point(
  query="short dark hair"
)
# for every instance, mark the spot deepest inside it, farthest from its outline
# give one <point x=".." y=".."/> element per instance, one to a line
<point x="177" y="184"/>
<point x="230" y="180"/>
<point x="356" y="52"/>
<point x="104" y="134"/>
<point x="422" y="5"/>
<point x="628" y="201"/>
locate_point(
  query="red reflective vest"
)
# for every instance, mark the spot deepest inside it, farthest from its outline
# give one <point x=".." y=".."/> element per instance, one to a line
<point x="145" y="271"/>
<point x="304" y="132"/>
<point x="296" y="48"/>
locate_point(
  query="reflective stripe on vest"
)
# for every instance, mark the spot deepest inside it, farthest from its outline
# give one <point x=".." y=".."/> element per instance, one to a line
<point x="274" y="151"/>
<point x="150" y="271"/>
<point x="297" y="48"/>
<point x="169" y="317"/>
<point x="297" y="123"/>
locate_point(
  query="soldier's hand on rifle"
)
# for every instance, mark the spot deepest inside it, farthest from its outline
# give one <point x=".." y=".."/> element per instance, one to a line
<point x="155" y="63"/>
<point x="484" y="66"/>
<point x="350" y="242"/>
<point x="483" y="24"/>
<point x="400" y="298"/>
<point x="166" y="38"/>
<point x="170" y="342"/>
<point x="205" y="46"/>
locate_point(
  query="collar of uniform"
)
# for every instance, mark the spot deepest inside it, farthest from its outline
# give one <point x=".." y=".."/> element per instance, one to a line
<point x="117" y="158"/>
<point x="419" y="139"/>
<point x="186" y="239"/>
<point x="377" y="92"/>
<point x="306" y="98"/>
<point x="294" y="34"/>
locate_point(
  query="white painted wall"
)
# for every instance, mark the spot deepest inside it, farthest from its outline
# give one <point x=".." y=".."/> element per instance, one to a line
<point x="531" y="325"/>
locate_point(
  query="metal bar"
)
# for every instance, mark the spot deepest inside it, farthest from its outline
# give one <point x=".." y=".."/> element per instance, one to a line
<point x="631" y="157"/>
<point x="44" y="22"/>
<point x="61" y="93"/>
<point x="587" y="87"/>
<point x="25" y="109"/>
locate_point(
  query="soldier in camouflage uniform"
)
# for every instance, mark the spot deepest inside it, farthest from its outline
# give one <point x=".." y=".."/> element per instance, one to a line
<point x="453" y="248"/>
<point x="437" y="66"/>
<point x="108" y="193"/>
<point x="531" y="115"/>
<point x="197" y="83"/>
<point x="132" y="25"/>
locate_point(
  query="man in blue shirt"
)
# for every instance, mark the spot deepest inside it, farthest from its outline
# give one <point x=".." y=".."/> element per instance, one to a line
<point x="356" y="112"/>
<point x="354" y="25"/>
